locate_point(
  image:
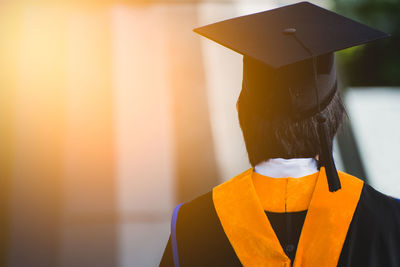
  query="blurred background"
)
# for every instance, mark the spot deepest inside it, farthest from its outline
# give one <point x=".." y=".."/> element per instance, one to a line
<point x="112" y="112"/>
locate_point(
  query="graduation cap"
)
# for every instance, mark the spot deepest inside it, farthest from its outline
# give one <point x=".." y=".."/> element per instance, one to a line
<point x="288" y="57"/>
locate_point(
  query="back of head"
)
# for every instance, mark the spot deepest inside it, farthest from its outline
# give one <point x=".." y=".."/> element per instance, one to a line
<point x="278" y="112"/>
<point x="289" y="105"/>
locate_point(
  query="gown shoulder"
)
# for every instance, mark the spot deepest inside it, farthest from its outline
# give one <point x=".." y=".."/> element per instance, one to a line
<point x="380" y="206"/>
<point x="373" y="238"/>
<point x="377" y="204"/>
<point x="200" y="236"/>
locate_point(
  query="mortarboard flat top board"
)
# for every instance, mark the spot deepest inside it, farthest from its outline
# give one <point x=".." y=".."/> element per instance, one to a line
<point x="289" y="34"/>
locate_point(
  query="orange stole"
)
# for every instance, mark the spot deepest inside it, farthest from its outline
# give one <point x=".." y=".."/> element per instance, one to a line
<point x="284" y="194"/>
<point x="251" y="235"/>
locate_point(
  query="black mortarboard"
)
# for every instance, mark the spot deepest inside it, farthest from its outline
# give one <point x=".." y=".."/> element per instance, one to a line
<point x="288" y="59"/>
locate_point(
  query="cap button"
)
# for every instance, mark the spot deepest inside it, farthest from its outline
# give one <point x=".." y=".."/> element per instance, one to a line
<point x="289" y="31"/>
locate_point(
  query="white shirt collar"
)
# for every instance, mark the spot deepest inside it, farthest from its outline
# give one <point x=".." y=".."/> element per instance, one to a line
<point x="281" y="168"/>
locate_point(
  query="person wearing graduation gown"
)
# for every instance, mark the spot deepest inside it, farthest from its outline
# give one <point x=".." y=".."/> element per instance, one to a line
<point x="292" y="208"/>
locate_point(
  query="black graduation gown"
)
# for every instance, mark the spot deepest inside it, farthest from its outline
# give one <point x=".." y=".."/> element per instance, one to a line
<point x="370" y="238"/>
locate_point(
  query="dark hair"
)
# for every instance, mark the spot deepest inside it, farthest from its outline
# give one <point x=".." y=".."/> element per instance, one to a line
<point x="273" y="137"/>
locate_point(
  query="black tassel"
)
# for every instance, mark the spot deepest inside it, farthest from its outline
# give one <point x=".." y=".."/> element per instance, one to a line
<point x="326" y="155"/>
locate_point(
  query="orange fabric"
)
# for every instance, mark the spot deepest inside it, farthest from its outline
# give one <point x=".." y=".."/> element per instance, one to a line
<point x="327" y="221"/>
<point x="247" y="227"/>
<point x="284" y="194"/>
<point x="245" y="223"/>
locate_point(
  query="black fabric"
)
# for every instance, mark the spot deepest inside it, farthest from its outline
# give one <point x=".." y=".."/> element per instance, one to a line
<point x="287" y="227"/>
<point x="262" y="35"/>
<point x="200" y="237"/>
<point x="373" y="239"/>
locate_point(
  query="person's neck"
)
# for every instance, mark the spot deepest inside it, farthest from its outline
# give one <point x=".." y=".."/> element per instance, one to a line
<point x="283" y="168"/>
